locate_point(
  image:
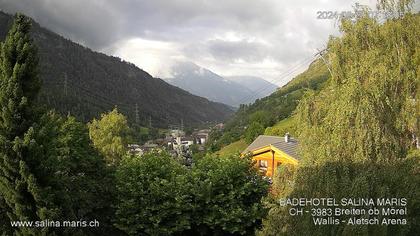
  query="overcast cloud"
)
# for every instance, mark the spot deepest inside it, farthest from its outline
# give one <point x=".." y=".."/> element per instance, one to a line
<point x="262" y="38"/>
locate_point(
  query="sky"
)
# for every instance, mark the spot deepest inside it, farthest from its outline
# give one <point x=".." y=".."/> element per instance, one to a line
<point x="271" y="39"/>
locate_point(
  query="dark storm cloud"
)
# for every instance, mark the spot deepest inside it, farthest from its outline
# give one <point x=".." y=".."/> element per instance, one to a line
<point x="100" y="23"/>
<point x="228" y="35"/>
<point x="91" y="23"/>
<point x="238" y="50"/>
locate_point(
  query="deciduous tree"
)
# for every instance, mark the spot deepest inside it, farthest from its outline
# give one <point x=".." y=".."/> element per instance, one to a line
<point x="356" y="134"/>
<point x="153" y="195"/>
<point x="110" y="136"/>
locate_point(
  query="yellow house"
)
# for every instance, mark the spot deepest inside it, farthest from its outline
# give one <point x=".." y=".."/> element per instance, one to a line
<point x="269" y="152"/>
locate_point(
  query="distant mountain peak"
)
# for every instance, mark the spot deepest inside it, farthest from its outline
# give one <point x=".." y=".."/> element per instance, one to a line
<point x="182" y="68"/>
<point x="203" y="82"/>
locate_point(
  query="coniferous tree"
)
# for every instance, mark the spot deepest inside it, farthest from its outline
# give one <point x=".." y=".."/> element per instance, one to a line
<point x="19" y="85"/>
<point x="48" y="167"/>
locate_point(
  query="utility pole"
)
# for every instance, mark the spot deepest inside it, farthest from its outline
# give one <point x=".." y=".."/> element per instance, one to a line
<point x="65" y="84"/>
<point x="182" y="124"/>
<point x="321" y="54"/>
<point x="137" y="114"/>
<point x="167" y="114"/>
<point x="150" y="121"/>
<point x="65" y="93"/>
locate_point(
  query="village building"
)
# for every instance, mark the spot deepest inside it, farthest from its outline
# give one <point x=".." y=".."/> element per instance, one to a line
<point x="180" y="142"/>
<point x="201" y="139"/>
<point x="270" y="152"/>
<point x="176" y="133"/>
<point x="201" y="136"/>
<point x="135" y="149"/>
<point x="139" y="150"/>
<point x="219" y="126"/>
<point x="149" y="146"/>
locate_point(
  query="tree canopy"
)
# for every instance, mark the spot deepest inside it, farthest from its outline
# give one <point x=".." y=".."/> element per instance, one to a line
<point x="217" y="196"/>
<point x="356" y="134"/>
<point x="48" y="168"/>
<point x="19" y="85"/>
<point x="110" y="135"/>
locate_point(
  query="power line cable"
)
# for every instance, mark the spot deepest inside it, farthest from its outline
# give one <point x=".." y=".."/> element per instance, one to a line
<point x="280" y="77"/>
<point x="283" y="75"/>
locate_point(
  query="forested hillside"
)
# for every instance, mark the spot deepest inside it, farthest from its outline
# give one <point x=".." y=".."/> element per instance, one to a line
<point x="85" y="83"/>
<point x="252" y="120"/>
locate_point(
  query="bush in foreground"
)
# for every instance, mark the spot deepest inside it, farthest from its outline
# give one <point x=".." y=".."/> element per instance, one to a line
<point x="219" y="195"/>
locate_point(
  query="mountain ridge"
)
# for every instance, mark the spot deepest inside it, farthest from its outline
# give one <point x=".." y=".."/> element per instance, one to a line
<point x="85" y="83"/>
<point x="259" y="86"/>
<point x="206" y="83"/>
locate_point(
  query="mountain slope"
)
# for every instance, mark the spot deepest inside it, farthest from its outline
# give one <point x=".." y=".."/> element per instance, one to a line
<point x="203" y="82"/>
<point x="273" y="109"/>
<point x="85" y="83"/>
<point x="260" y="87"/>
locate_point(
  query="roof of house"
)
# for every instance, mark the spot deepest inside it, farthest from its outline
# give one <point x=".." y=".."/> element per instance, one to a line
<point x="187" y="139"/>
<point x="290" y="148"/>
<point x="150" y="145"/>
